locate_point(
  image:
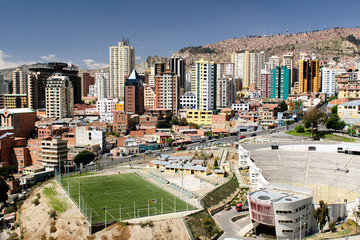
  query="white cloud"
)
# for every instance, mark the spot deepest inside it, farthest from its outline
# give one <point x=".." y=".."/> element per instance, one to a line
<point x="50" y="57"/>
<point x="8" y="64"/>
<point x="137" y="58"/>
<point x="91" y="64"/>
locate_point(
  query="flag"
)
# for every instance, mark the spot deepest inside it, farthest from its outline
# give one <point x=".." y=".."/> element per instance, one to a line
<point x="151" y="201"/>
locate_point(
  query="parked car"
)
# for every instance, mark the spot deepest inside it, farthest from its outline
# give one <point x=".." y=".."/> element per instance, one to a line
<point x="227" y="207"/>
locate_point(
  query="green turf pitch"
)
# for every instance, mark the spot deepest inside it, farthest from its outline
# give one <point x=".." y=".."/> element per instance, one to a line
<point x="118" y="193"/>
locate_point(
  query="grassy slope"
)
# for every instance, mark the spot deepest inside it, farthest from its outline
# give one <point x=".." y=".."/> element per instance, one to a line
<point x="54" y="200"/>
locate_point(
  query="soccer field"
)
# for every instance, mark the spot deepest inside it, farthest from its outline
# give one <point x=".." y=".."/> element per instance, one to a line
<point x="122" y="196"/>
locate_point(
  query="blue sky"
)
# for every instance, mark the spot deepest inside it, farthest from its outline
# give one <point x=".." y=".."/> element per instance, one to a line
<point x="81" y="32"/>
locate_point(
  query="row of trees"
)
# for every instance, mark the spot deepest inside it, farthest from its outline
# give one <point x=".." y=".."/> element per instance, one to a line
<point x="313" y="118"/>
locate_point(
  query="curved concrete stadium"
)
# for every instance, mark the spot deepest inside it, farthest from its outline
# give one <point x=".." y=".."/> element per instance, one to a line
<point x="333" y="176"/>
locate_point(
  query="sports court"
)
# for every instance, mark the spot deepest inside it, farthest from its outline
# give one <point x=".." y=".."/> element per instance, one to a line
<point x="121" y="197"/>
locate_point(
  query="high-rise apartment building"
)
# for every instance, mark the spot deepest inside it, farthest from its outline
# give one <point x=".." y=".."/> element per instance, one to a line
<point x="107" y="80"/>
<point x="149" y="97"/>
<point x="59" y="97"/>
<point x="248" y="66"/>
<point x="122" y="62"/>
<point x="238" y="60"/>
<point x="19" y="80"/>
<point x="309" y="75"/>
<point x="225" y="69"/>
<point x="151" y="77"/>
<point x="204" y="82"/>
<point x="226" y="93"/>
<point x="86" y="81"/>
<point x="280" y="83"/>
<point x="168" y="91"/>
<point x="134" y="94"/>
<point x="2" y="91"/>
<point x="328" y="81"/>
<point x="265" y="79"/>
<point x="159" y="67"/>
<point x="262" y="58"/>
<point x="101" y="88"/>
<point x="37" y="79"/>
<point x="178" y="66"/>
<point x="274" y="62"/>
<point x="288" y="62"/>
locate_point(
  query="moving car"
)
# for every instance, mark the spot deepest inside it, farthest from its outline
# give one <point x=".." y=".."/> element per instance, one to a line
<point x="242" y="137"/>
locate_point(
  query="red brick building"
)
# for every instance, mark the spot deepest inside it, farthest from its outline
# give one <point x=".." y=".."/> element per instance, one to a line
<point x="122" y="122"/>
<point x="35" y="150"/>
<point x="134" y="94"/>
<point x="167" y="91"/>
<point x="22" y="120"/>
<point x="7" y="144"/>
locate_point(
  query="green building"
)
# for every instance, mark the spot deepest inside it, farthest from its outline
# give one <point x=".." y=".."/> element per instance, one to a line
<point x="280" y="82"/>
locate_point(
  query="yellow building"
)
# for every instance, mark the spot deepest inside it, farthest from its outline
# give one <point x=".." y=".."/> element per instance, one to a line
<point x="12" y="101"/>
<point x="119" y="107"/>
<point x="349" y="112"/>
<point x="309" y="76"/>
<point x="349" y="92"/>
<point x="199" y="117"/>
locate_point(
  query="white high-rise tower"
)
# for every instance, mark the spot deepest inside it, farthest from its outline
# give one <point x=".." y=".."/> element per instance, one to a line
<point x="122" y="62"/>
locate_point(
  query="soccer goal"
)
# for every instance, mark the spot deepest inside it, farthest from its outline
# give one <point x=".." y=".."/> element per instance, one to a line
<point x="151" y="211"/>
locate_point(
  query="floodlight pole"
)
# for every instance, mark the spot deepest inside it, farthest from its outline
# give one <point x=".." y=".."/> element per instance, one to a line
<point x="68" y="181"/>
<point x="182" y="179"/>
<point x="79" y="191"/>
<point x="105" y="216"/>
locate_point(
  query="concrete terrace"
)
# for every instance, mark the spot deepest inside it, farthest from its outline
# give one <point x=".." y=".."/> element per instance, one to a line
<point x="295" y="165"/>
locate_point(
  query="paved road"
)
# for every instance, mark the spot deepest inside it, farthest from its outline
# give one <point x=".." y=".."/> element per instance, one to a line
<point x="231" y="229"/>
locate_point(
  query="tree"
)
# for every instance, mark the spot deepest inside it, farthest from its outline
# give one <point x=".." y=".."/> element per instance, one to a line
<point x="194" y="125"/>
<point x="169" y="141"/>
<point x="334" y="109"/>
<point x="207" y="225"/>
<point x="321" y="215"/>
<point x="175" y="121"/>
<point x="283" y="106"/>
<point x="300" y="128"/>
<point x="313" y="118"/>
<point x="334" y="122"/>
<point x="84" y="157"/>
<point x="216" y="164"/>
<point x="351" y="130"/>
<point x="7" y="172"/>
<point x="209" y="134"/>
<point x="332" y="98"/>
<point x="183" y="122"/>
<point x="4" y="188"/>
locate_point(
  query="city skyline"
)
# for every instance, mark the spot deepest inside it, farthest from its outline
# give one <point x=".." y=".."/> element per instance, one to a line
<point x="83" y="31"/>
